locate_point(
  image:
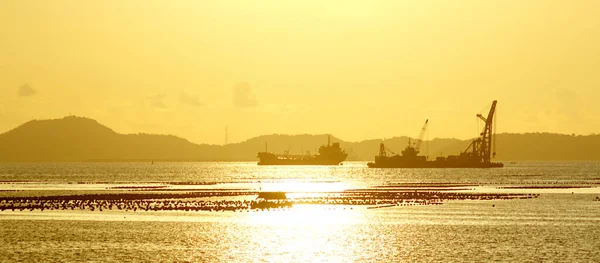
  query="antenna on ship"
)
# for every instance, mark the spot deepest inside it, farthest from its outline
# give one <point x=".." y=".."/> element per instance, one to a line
<point x="427" y="138"/>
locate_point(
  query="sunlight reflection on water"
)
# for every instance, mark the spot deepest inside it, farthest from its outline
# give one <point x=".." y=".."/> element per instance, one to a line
<point x="560" y="225"/>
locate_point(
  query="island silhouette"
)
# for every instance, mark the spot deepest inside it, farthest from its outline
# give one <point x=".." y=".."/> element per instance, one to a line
<point x="80" y="139"/>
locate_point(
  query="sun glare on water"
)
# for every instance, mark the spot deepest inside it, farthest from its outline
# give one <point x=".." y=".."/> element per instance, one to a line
<point x="306" y="233"/>
<point x="298" y="186"/>
<point x="309" y="215"/>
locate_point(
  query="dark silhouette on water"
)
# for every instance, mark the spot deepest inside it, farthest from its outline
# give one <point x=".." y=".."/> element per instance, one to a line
<point x="330" y="154"/>
<point x="477" y="155"/>
<point x="76" y="139"/>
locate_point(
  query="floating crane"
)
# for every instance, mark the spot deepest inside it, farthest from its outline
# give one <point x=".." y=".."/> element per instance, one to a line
<point x="477" y="155"/>
<point x="482" y="146"/>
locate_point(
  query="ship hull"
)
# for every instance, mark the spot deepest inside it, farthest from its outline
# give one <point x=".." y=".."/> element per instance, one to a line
<point x="272" y="159"/>
<point x="330" y="154"/>
<point x="434" y="164"/>
<point x="306" y="161"/>
<point x="298" y="163"/>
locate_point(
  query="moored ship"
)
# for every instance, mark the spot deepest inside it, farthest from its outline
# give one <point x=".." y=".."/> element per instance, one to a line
<point x="330" y="154"/>
<point x="477" y="155"/>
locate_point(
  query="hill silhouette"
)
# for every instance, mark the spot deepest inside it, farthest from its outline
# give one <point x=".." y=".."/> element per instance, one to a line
<point x="82" y="139"/>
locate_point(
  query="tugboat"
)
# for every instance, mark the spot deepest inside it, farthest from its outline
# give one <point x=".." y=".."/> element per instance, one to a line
<point x="477" y="155"/>
<point x="330" y="154"/>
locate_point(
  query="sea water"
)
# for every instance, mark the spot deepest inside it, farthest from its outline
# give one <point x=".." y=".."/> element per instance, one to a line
<point x="562" y="224"/>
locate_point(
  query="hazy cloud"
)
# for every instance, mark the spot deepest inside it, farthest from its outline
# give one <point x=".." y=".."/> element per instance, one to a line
<point x="570" y="104"/>
<point x="158" y="101"/>
<point x="243" y="96"/>
<point x="190" y="100"/>
<point x="26" y="91"/>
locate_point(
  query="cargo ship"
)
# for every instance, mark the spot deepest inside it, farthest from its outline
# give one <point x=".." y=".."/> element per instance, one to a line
<point x="330" y="154"/>
<point x="477" y="155"/>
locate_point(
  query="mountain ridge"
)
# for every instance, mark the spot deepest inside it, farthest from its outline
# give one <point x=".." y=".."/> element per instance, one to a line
<point x="80" y="139"/>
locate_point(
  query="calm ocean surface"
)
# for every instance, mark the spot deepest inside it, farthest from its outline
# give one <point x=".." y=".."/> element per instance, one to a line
<point x="562" y="224"/>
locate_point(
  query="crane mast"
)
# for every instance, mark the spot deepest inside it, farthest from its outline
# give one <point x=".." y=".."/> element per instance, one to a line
<point x="420" y="140"/>
<point x="484" y="149"/>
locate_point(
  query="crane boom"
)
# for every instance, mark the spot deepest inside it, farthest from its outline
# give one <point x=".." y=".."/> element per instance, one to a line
<point x="420" y="139"/>
<point x="483" y="146"/>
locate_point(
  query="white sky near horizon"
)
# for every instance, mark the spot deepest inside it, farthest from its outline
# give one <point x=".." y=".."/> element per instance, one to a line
<point x="355" y="69"/>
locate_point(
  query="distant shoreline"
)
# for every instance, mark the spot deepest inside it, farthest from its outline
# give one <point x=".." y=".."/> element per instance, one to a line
<point x="79" y="139"/>
<point x="255" y="161"/>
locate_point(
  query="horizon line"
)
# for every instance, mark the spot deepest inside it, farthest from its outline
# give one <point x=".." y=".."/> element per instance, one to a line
<point x="297" y="134"/>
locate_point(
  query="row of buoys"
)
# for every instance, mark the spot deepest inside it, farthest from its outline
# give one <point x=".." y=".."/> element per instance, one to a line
<point x="594" y="181"/>
<point x="241" y="181"/>
<point x="145" y="205"/>
<point x="545" y="187"/>
<point x="173" y="201"/>
<point x="546" y="183"/>
<point x="139" y="196"/>
<point x="142" y="187"/>
<point x="142" y="205"/>
<point x="356" y="195"/>
<point x="427" y="195"/>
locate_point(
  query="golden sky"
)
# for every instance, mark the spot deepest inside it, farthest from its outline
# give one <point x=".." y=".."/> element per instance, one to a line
<point x="356" y="69"/>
